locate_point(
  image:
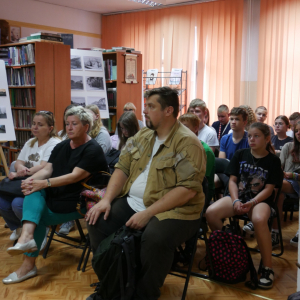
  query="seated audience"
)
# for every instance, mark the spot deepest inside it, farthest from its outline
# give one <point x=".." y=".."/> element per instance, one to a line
<point x="261" y="114"/>
<point x="290" y="162"/>
<point x="127" y="126"/>
<point x="281" y="126"/>
<point x="205" y="133"/>
<point x="254" y="173"/>
<point x="192" y="122"/>
<point x="294" y="118"/>
<point x="251" y="116"/>
<point x="51" y="194"/>
<point x="157" y="186"/>
<point x="238" y="139"/>
<point x="98" y="131"/>
<point x="222" y="126"/>
<point x="32" y="158"/>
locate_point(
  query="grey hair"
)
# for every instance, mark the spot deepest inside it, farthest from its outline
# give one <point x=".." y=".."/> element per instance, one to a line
<point x="83" y="115"/>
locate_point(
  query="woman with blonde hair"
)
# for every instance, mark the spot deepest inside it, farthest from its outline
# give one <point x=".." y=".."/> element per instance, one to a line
<point x="251" y="116"/>
<point x="98" y="132"/>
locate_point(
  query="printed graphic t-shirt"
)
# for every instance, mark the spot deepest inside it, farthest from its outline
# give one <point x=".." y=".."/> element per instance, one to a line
<point x="253" y="174"/>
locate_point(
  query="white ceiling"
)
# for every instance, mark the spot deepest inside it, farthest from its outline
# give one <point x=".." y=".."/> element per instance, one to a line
<point x="111" y="6"/>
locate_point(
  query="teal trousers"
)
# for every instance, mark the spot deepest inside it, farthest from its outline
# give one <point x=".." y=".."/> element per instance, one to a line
<point x="36" y="210"/>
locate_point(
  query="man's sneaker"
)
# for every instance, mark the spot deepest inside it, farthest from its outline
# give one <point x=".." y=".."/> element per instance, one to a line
<point x="66" y="227"/>
<point x="275" y="239"/>
<point x="266" y="279"/>
<point x="45" y="239"/>
<point x="249" y="228"/>
<point x="294" y="240"/>
<point x="16" y="234"/>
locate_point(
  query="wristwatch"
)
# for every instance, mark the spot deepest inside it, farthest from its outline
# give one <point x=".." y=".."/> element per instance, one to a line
<point x="48" y="182"/>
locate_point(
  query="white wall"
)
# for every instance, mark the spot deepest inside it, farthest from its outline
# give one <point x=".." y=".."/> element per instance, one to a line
<point x="58" y="17"/>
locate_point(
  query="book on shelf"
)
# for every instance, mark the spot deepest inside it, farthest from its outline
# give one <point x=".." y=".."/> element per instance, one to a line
<point x="22" y="97"/>
<point x="92" y="48"/>
<point x="21" y="77"/>
<point x="21" y="138"/>
<point x="110" y="66"/>
<point x="22" y="118"/>
<point x="46" y="34"/>
<point x="112" y="97"/>
<point x="45" y="37"/>
<point x="122" y="48"/>
<point x="22" y="55"/>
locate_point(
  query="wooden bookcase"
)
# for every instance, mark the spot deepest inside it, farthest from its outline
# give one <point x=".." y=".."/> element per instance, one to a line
<point x="52" y="84"/>
<point x="125" y="92"/>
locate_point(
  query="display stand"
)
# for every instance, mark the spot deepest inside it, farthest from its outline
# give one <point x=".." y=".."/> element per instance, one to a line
<point x="163" y="79"/>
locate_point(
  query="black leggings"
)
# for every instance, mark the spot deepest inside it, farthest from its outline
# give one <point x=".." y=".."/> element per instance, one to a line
<point x="159" y="241"/>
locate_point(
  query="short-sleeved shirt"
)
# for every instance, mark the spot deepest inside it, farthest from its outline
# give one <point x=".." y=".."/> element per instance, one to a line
<point x="103" y="139"/>
<point x="229" y="147"/>
<point x="210" y="169"/>
<point x="278" y="144"/>
<point x="209" y="136"/>
<point x="286" y="159"/>
<point x="32" y="156"/>
<point x="64" y="159"/>
<point x="179" y="162"/>
<point x="253" y="174"/>
<point x="224" y="128"/>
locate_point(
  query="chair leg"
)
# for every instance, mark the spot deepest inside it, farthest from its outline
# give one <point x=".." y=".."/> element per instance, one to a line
<point x="49" y="241"/>
<point x="83" y="255"/>
<point x="86" y="258"/>
<point x="82" y="236"/>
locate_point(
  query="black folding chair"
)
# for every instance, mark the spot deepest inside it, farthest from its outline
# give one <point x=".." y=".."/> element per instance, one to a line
<point x="289" y="203"/>
<point x="201" y="233"/>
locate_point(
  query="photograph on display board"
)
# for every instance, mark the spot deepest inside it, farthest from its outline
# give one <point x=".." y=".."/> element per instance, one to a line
<point x="76" y="82"/>
<point x="76" y="62"/>
<point x="2" y="92"/>
<point x="15" y="33"/>
<point x="78" y="101"/>
<point x="100" y="101"/>
<point x="92" y="63"/>
<point x="94" y="83"/>
<point x="2" y="129"/>
<point x="3" y="113"/>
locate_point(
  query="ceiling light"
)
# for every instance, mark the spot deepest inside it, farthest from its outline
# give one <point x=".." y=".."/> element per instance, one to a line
<point x="147" y="2"/>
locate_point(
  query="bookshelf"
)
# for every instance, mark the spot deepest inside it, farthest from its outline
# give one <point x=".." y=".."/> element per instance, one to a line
<point x="124" y="92"/>
<point x="49" y="88"/>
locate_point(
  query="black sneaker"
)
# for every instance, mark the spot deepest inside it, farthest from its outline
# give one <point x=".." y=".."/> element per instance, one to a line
<point x="249" y="228"/>
<point x="275" y="239"/>
<point x="266" y="279"/>
<point x="294" y="240"/>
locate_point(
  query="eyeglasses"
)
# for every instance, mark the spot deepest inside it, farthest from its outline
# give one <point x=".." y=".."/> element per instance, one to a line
<point x="128" y="109"/>
<point x="46" y="112"/>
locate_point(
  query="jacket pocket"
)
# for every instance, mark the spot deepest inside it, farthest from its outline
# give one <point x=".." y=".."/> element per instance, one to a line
<point x="166" y="175"/>
<point x="135" y="157"/>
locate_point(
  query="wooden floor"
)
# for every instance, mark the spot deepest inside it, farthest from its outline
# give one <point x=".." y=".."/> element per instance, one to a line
<point x="58" y="277"/>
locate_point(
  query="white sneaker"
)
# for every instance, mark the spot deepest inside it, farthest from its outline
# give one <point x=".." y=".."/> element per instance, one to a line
<point x="16" y="234"/>
<point x="45" y="239"/>
<point x="66" y="227"/>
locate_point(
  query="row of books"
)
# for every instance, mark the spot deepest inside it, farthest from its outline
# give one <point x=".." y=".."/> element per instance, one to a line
<point x="21" y="138"/>
<point x="110" y="67"/>
<point x="112" y="97"/>
<point x="18" y="56"/>
<point x="21" y="77"/>
<point x="22" y="97"/>
<point x="122" y="49"/>
<point x="22" y="118"/>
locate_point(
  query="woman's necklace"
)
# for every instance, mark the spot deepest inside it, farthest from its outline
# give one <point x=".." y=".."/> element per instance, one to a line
<point x="258" y="159"/>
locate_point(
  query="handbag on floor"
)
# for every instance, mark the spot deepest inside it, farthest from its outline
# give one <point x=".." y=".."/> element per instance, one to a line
<point x="95" y="188"/>
<point x="12" y="187"/>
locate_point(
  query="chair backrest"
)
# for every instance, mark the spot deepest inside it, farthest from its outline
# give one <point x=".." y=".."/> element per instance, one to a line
<point x="221" y="164"/>
<point x="205" y="191"/>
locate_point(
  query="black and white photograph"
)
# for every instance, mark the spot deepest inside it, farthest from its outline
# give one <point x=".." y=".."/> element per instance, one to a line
<point x="2" y="129"/>
<point x="78" y="101"/>
<point x="94" y="83"/>
<point x="76" y="62"/>
<point x="2" y="92"/>
<point x="76" y="82"/>
<point x="92" y="63"/>
<point x="3" y="113"/>
<point x="99" y="101"/>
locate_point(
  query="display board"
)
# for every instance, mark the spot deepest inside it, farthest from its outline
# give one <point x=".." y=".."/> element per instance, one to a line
<point x="88" y="80"/>
<point x="7" y="130"/>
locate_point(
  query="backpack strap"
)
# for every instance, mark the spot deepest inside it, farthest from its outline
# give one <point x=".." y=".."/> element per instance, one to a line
<point x="253" y="282"/>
